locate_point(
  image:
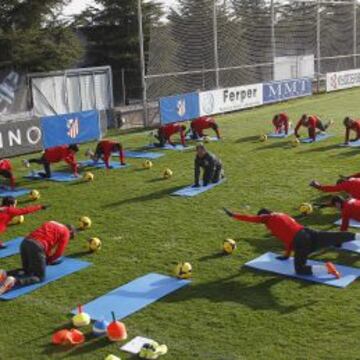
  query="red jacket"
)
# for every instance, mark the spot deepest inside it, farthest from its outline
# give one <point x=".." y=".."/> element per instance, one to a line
<point x="313" y="123"/>
<point x="62" y="153"/>
<point x="53" y="237"/>
<point x="5" y="164"/>
<point x="354" y="127"/>
<point x="282" y="226"/>
<point x="8" y="213"/>
<point x="202" y="123"/>
<point x="107" y="148"/>
<point x="169" y="130"/>
<point x="281" y="122"/>
<point x="350" y="186"/>
<point x="350" y="210"/>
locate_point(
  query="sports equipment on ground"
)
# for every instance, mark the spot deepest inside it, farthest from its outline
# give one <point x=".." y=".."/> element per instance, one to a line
<point x="167" y="174"/>
<point x="147" y="164"/>
<point x="94" y="244"/>
<point x="116" y="331"/>
<point x="89" y="176"/>
<point x="152" y="350"/>
<point x="81" y="319"/>
<point x="85" y="223"/>
<point x="68" y="337"/>
<point x="295" y="142"/>
<point x="306" y="208"/>
<point x="112" y="357"/>
<point x="34" y="195"/>
<point x="99" y="327"/>
<point x="263" y="138"/>
<point x="229" y="246"/>
<point x="183" y="270"/>
<point x="17" y="220"/>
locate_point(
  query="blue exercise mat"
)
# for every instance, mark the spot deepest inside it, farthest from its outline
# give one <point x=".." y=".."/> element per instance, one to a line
<point x="352" y="223"/>
<point x="132" y="297"/>
<point x="281" y="135"/>
<point x="14" y="193"/>
<point x="351" y="144"/>
<point x="268" y="262"/>
<point x="101" y="164"/>
<point x="207" y="138"/>
<point x="189" y="191"/>
<point x="353" y="246"/>
<point x="12" y="247"/>
<point x="55" y="176"/>
<point x="143" y="155"/>
<point x="66" y="267"/>
<point x="170" y="147"/>
<point x="319" y="137"/>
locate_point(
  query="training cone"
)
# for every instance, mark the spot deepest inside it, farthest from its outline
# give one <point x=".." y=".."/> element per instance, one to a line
<point x="81" y="318"/>
<point x="116" y="331"/>
<point x="112" y="357"/>
<point x="100" y="327"/>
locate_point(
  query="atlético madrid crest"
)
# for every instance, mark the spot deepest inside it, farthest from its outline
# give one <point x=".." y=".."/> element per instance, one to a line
<point x="73" y="128"/>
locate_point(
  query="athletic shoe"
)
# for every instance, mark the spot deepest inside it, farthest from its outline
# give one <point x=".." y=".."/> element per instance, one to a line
<point x="7" y="285"/>
<point x="26" y="163"/>
<point x="331" y="268"/>
<point x="3" y="276"/>
<point x="2" y="245"/>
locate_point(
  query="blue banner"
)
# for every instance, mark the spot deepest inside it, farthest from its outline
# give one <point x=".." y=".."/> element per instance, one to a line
<point x="179" y="108"/>
<point x="286" y="89"/>
<point x="73" y="128"/>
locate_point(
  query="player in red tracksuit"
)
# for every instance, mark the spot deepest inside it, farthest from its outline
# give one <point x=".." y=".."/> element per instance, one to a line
<point x="104" y="150"/>
<point x="42" y="247"/>
<point x="6" y="172"/>
<point x="303" y="241"/>
<point x="165" y="133"/>
<point x="202" y="123"/>
<point x="56" y="154"/>
<point x="351" y="125"/>
<point x="8" y="211"/>
<point x="281" y="123"/>
<point x="313" y="123"/>
<point x="350" y="186"/>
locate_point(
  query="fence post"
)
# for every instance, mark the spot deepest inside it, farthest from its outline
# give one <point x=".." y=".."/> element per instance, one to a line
<point x="318" y="43"/>
<point x="142" y="63"/>
<point x="216" y="53"/>
<point x="273" y="38"/>
<point x="123" y="85"/>
<point x="355" y="34"/>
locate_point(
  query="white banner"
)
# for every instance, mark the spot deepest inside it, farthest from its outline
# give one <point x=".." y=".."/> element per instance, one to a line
<point x="230" y="99"/>
<point x="342" y="80"/>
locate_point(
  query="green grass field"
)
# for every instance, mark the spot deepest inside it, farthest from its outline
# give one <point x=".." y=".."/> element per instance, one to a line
<point x="229" y="312"/>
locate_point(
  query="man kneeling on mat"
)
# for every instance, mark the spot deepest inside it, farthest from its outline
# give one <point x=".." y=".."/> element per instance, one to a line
<point x="6" y="172"/>
<point x="350" y="186"/>
<point x="42" y="247"/>
<point x="165" y="133"/>
<point x="351" y="125"/>
<point x="303" y="241"/>
<point x="281" y="123"/>
<point x="212" y="166"/>
<point x="313" y="123"/>
<point x="202" y="123"/>
<point x="8" y="211"/>
<point x="104" y="150"/>
<point x="56" y="154"/>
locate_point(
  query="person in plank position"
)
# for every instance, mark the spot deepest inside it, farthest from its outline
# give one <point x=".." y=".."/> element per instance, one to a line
<point x="104" y="150"/>
<point x="6" y="171"/>
<point x="202" y="123"/>
<point x="281" y="123"/>
<point x="42" y="247"/>
<point x="313" y="123"/>
<point x="211" y="165"/>
<point x="165" y="133"/>
<point x="8" y="211"/>
<point x="351" y="186"/>
<point x="56" y="154"/>
<point x="351" y="125"/>
<point x="301" y="240"/>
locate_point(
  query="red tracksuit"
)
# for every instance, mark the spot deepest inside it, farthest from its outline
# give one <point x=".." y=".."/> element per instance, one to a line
<point x="350" y="186"/>
<point x="202" y="123"/>
<point x="62" y="153"/>
<point x="355" y="126"/>
<point x="8" y="213"/>
<point x="169" y="130"/>
<point x="350" y="210"/>
<point x="53" y="237"/>
<point x="281" y="123"/>
<point x="106" y="148"/>
<point x="6" y="168"/>
<point x="282" y="226"/>
<point x="313" y="123"/>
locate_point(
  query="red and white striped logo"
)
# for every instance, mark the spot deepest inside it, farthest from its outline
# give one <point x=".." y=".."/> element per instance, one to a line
<point x="73" y="128"/>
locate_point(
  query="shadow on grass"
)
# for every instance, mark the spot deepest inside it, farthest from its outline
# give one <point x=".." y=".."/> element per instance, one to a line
<point x="275" y="145"/>
<point x="214" y="256"/>
<point x="255" y="296"/>
<point x="354" y="151"/>
<point x="153" y="196"/>
<point x="247" y="139"/>
<point x="320" y="149"/>
<point x="80" y="254"/>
